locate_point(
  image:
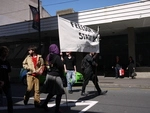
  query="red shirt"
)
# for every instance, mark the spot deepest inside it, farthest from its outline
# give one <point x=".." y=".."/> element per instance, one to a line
<point x="34" y="60"/>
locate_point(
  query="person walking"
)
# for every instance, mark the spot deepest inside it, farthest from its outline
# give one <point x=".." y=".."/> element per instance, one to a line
<point x="5" y="69"/>
<point x="131" y="67"/>
<point x="33" y="63"/>
<point x="89" y="74"/>
<point x="70" y="70"/>
<point x="53" y="84"/>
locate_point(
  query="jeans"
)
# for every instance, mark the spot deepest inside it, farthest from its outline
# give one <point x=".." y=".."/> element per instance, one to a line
<point x="117" y="68"/>
<point x="71" y="78"/>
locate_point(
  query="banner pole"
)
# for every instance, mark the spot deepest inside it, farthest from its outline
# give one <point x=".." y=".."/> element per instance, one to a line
<point x="96" y="59"/>
<point x="98" y="32"/>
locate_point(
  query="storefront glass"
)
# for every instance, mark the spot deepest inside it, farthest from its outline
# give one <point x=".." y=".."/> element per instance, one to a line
<point x="143" y="49"/>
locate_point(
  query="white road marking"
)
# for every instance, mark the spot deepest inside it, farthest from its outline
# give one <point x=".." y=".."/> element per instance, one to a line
<point x="89" y="104"/>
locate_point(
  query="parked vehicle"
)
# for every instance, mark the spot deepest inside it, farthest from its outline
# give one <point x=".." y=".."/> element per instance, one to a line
<point x="79" y="77"/>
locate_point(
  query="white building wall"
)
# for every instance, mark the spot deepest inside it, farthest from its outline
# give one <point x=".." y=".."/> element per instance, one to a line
<point x="135" y="10"/>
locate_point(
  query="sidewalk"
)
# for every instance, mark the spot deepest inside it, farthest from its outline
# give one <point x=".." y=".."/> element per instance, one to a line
<point x="143" y="74"/>
<point x="123" y="82"/>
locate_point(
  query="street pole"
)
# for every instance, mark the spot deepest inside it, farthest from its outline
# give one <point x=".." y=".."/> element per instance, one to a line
<point x="39" y="30"/>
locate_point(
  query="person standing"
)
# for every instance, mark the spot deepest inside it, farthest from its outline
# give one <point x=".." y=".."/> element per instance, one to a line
<point x="70" y="70"/>
<point x="130" y="67"/>
<point x="5" y="68"/>
<point x="53" y="84"/>
<point x="117" y="66"/>
<point x="89" y="74"/>
<point x="33" y="63"/>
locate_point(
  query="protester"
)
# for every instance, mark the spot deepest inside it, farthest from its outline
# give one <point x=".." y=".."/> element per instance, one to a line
<point x="89" y="74"/>
<point x="131" y="67"/>
<point x="70" y="70"/>
<point x="5" y="68"/>
<point x="117" y="66"/>
<point x="33" y="63"/>
<point x="53" y="84"/>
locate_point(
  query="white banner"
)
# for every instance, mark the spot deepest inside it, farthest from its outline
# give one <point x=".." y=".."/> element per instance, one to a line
<point x="77" y="38"/>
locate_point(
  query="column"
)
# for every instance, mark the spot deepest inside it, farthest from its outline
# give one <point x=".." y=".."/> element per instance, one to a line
<point x="131" y="43"/>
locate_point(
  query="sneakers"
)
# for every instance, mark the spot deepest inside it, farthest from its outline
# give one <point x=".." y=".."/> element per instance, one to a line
<point x="25" y="102"/>
<point x="84" y="94"/>
<point x="70" y="91"/>
<point x="58" y="111"/>
<point x="102" y="92"/>
<point x="45" y="107"/>
<point x="37" y="106"/>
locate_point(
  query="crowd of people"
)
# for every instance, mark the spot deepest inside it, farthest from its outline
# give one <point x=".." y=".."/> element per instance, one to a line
<point x="55" y="66"/>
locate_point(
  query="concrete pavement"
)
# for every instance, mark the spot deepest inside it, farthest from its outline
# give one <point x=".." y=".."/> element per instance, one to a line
<point x="123" y="82"/>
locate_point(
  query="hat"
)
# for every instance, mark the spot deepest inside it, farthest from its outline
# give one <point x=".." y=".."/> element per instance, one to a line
<point x="53" y="48"/>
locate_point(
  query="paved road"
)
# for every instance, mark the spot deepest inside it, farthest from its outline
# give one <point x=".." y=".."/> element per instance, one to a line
<point x="124" y="96"/>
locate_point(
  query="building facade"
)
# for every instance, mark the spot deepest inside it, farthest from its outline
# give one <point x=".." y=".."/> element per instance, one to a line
<point x="14" y="11"/>
<point x="124" y="32"/>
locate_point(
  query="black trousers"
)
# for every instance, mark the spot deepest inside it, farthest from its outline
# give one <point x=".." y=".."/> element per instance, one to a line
<point x="57" y="101"/>
<point x="7" y="92"/>
<point x="94" y="79"/>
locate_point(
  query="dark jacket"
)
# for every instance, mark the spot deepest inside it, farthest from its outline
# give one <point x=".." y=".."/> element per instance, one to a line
<point x="117" y="63"/>
<point x="89" y="70"/>
<point x="131" y="66"/>
<point x="5" y="68"/>
<point x="56" y="66"/>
